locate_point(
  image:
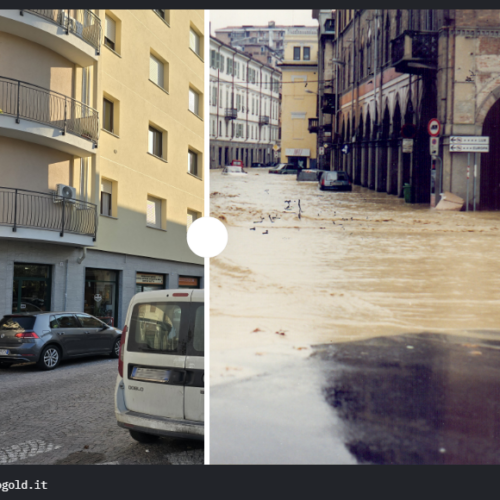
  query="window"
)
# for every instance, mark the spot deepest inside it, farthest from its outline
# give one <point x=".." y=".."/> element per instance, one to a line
<point x="164" y="14"/>
<point x="191" y="217"/>
<point x="296" y="53"/>
<point x="307" y="53"/>
<point x="106" y="194"/>
<point x="194" y="102"/>
<point x="221" y="63"/>
<point x="107" y="109"/>
<point x="193" y="163"/>
<point x="156" y="71"/>
<point x="110" y="33"/>
<point x="155" y="146"/>
<point x="153" y="214"/>
<point x="194" y="42"/>
<point x="214" y="96"/>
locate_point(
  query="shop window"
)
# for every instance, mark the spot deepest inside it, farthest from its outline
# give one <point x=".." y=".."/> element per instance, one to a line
<point x="147" y="282"/>
<point x="101" y="295"/>
<point x="31" y="288"/>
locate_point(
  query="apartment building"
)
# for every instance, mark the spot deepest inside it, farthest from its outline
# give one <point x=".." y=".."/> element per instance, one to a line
<point x="101" y="155"/>
<point x="244" y="107"/>
<point x="299" y="98"/>
<point x="395" y="70"/>
<point x="265" y="43"/>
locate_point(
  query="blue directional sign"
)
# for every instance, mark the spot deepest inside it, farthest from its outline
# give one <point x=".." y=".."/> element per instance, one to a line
<point x="345" y="149"/>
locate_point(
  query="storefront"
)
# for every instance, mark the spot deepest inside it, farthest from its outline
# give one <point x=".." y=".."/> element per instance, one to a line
<point x="31" y="288"/>
<point x="146" y="282"/>
<point x="189" y="282"/>
<point x="299" y="157"/>
<point x="101" y="294"/>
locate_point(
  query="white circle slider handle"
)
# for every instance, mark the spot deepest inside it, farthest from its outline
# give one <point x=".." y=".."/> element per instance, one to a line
<point x="207" y="237"/>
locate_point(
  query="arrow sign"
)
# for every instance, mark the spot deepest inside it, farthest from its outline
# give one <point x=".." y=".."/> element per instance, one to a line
<point x="469" y="148"/>
<point x="469" y="139"/>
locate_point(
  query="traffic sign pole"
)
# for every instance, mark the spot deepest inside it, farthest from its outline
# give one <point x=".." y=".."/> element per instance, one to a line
<point x="468" y="171"/>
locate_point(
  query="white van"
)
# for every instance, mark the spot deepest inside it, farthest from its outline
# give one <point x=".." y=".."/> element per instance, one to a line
<point x="160" y="386"/>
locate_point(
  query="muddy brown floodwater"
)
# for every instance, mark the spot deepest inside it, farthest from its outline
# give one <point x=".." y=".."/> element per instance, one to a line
<point x="355" y="265"/>
<point x="352" y="328"/>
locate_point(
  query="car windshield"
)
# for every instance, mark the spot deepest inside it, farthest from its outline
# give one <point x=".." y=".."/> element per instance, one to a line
<point x="17" y="323"/>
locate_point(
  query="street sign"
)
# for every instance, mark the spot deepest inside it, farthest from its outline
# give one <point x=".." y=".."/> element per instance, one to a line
<point x="469" y="148"/>
<point x="434" y="127"/>
<point x="321" y="150"/>
<point x="345" y="149"/>
<point x="407" y="145"/>
<point x="469" y="139"/>
<point x="434" y="146"/>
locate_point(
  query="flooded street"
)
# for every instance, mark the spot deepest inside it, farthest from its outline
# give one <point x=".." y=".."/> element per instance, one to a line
<point x="341" y="269"/>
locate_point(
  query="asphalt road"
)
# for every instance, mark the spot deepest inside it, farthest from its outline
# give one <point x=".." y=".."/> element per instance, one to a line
<point x="66" y="416"/>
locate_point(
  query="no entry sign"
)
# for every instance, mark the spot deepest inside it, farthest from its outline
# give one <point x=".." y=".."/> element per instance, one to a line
<point x="434" y="127"/>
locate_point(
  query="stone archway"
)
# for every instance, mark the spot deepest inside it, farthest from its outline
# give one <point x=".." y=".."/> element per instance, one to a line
<point x="490" y="162"/>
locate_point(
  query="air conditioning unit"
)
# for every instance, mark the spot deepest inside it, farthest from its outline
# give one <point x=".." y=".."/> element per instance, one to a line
<point x="66" y="193"/>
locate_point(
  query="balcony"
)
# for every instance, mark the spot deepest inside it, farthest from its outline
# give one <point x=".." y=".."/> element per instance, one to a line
<point x="231" y="113"/>
<point x="313" y="125"/>
<point x="328" y="103"/>
<point x="73" y="33"/>
<point x="329" y="27"/>
<point x="35" y="114"/>
<point x="30" y="215"/>
<point x="263" y="120"/>
<point x="415" y="52"/>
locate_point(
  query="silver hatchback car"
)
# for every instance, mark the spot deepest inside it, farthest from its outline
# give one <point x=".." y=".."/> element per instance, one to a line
<point x="49" y="337"/>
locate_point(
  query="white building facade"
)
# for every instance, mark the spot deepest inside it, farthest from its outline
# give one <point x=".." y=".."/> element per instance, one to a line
<point x="244" y="107"/>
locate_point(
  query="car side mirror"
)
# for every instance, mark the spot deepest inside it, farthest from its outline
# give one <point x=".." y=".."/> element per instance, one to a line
<point x="105" y="327"/>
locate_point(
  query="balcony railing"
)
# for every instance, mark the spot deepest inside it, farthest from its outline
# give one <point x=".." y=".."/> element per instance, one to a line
<point x="415" y="51"/>
<point x="31" y="209"/>
<point x="263" y="120"/>
<point x="31" y="102"/>
<point x="82" y="22"/>
<point x="231" y="113"/>
<point x="313" y="125"/>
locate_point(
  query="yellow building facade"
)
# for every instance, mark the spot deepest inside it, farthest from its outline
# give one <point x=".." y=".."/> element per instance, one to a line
<point x="101" y="156"/>
<point x="299" y="97"/>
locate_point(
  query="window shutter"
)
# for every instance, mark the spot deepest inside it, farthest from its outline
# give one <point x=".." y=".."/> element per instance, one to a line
<point x="106" y="186"/>
<point x="156" y="70"/>
<point x="110" y="29"/>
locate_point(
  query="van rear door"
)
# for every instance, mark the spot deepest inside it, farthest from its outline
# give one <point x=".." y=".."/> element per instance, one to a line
<point x="155" y="357"/>
<point x="194" y="397"/>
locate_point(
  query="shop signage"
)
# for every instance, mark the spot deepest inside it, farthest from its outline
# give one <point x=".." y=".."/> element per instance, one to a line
<point x="149" y="279"/>
<point x="187" y="281"/>
<point x="297" y="152"/>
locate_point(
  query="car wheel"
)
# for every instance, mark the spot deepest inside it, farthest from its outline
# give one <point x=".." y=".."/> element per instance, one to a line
<point x="49" y="358"/>
<point x="116" y="348"/>
<point x="142" y="437"/>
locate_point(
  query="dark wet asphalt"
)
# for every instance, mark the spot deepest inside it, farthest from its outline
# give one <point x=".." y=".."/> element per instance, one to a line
<point x="417" y="399"/>
<point x="410" y="399"/>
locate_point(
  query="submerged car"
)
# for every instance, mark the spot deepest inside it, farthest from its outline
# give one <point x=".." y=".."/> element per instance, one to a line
<point x="237" y="163"/>
<point x="257" y="165"/>
<point x="335" y="180"/>
<point x="309" y="175"/>
<point x="49" y="337"/>
<point x="233" y="170"/>
<point x="285" y="169"/>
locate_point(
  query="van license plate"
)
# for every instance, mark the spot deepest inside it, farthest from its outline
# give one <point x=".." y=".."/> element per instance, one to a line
<point x="150" y="374"/>
<point x="4" y="352"/>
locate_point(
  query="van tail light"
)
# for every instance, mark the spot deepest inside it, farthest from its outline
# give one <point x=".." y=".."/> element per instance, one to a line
<point x="322" y="182"/>
<point x="122" y="348"/>
<point x="27" y="335"/>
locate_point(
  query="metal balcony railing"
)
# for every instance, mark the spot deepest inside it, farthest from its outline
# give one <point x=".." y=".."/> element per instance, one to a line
<point x="31" y="209"/>
<point x="263" y="120"/>
<point x="82" y="22"/>
<point x="231" y="113"/>
<point x="313" y="125"/>
<point x="415" y="51"/>
<point x="31" y="102"/>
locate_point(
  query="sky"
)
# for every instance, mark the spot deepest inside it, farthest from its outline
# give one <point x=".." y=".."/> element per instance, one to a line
<point x="223" y="18"/>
